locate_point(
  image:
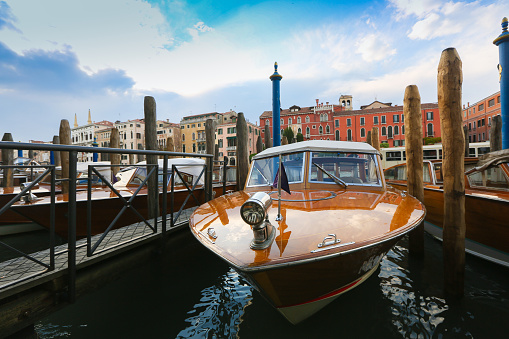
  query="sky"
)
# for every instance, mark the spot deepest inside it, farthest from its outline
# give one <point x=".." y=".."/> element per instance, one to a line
<point x="61" y="58"/>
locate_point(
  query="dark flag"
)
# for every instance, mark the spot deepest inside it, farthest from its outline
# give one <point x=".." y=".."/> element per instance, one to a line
<point x="284" y="180"/>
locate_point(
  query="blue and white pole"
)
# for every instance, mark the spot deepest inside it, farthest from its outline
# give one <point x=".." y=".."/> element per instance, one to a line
<point x="503" y="68"/>
<point x="95" y="156"/>
<point x="276" y="106"/>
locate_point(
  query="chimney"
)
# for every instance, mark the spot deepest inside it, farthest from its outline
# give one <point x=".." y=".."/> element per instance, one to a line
<point x="316" y="102"/>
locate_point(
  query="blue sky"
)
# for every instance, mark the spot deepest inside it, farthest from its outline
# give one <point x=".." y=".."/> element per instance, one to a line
<point x="59" y="58"/>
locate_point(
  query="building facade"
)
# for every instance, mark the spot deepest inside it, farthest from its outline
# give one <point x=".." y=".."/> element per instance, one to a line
<point x="341" y="122"/>
<point x="165" y="130"/>
<point x="477" y="117"/>
<point x="132" y="136"/>
<point x="192" y="130"/>
<point x="226" y="139"/>
<point x="85" y="135"/>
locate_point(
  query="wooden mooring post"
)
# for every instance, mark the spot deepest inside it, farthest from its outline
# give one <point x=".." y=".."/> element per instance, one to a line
<point x="496" y="133"/>
<point x="375" y="138"/>
<point x="151" y="144"/>
<point x="414" y="158"/>
<point x="467" y="146"/>
<point x="449" y="81"/>
<point x="115" y="143"/>
<point x="242" y="151"/>
<point x="7" y="159"/>
<point x="65" y="139"/>
<point x="259" y="145"/>
<point x="268" y="139"/>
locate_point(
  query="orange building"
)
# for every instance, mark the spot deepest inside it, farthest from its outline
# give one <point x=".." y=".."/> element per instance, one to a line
<point x="341" y="122"/>
<point x="477" y="117"/>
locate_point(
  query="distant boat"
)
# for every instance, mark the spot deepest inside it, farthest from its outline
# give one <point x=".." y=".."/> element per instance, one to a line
<point x="106" y="204"/>
<point x="486" y="202"/>
<point x="334" y="229"/>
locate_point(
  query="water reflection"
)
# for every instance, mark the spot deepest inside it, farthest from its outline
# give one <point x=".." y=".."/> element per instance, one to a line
<point x="414" y="315"/>
<point x="219" y="312"/>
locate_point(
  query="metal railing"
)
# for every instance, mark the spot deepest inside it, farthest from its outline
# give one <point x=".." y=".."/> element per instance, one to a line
<point x="127" y="203"/>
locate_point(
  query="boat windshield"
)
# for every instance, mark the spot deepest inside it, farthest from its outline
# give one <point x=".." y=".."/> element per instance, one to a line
<point x="352" y="168"/>
<point x="263" y="171"/>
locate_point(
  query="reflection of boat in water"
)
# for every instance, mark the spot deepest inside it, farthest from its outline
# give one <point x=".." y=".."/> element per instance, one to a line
<point x="106" y="205"/>
<point x="486" y="202"/>
<point x="335" y="226"/>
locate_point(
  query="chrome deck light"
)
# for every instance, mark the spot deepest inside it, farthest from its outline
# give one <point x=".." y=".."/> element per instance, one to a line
<point x="254" y="212"/>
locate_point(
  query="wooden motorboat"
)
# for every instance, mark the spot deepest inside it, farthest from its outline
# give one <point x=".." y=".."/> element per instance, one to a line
<point x="486" y="202"/>
<point x="334" y="227"/>
<point x="106" y="205"/>
<point x="43" y="188"/>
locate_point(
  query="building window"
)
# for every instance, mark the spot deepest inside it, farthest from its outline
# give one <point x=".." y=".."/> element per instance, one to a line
<point x="429" y="116"/>
<point x="337" y="135"/>
<point x="184" y="148"/>
<point x="430" y="130"/>
<point x="307" y="118"/>
<point x="363" y="133"/>
<point x="194" y="148"/>
<point x="469" y="126"/>
<point x="337" y="123"/>
<point x="481" y="107"/>
<point x="396" y="130"/>
<point x="327" y="129"/>
<point x="395" y="118"/>
<point x="498" y="99"/>
<point x="299" y="120"/>
<point x="219" y="131"/>
<point x="320" y="130"/>
<point x="282" y="122"/>
<point x="183" y="137"/>
<point x="314" y="126"/>
<point x="267" y="122"/>
<point x="403" y="129"/>
<point x="194" y="137"/>
<point x="348" y="122"/>
<point x="383" y="119"/>
<point x="349" y="135"/>
<point x="299" y="130"/>
<point x="384" y="130"/>
<point x="220" y="143"/>
<point x="307" y="131"/>
<point x="289" y="121"/>
<point x="375" y="120"/>
<point x="402" y="118"/>
<point x="491" y="102"/>
<point x="362" y="121"/>
<point x="389" y="132"/>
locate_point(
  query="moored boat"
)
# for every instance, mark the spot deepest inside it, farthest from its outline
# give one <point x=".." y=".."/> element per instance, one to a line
<point x="486" y="202"/>
<point x="303" y="249"/>
<point x="106" y="205"/>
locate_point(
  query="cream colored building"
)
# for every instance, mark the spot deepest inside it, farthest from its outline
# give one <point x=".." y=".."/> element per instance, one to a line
<point x="85" y="135"/>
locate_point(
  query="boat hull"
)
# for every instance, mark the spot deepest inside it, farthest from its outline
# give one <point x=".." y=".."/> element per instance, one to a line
<point x="301" y="289"/>
<point x="104" y="211"/>
<point x="486" y="234"/>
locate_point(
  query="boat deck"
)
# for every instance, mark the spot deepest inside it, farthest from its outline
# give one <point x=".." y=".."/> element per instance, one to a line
<point x="15" y="270"/>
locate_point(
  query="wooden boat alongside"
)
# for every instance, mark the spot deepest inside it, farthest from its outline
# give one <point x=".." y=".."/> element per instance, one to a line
<point x="486" y="202"/>
<point x="332" y="231"/>
<point x="106" y="205"/>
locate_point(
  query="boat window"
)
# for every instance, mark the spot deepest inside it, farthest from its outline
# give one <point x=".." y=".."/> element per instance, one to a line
<point x="393" y="156"/>
<point x="352" y="168"/>
<point x="263" y="171"/>
<point x="429" y="154"/>
<point x="492" y="177"/>
<point x="438" y="172"/>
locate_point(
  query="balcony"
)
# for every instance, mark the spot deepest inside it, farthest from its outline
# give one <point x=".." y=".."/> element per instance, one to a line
<point x="231" y="148"/>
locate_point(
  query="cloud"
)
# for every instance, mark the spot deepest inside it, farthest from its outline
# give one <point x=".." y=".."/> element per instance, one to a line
<point x="55" y="71"/>
<point x="6" y="18"/>
<point x="419" y="8"/>
<point x="372" y="47"/>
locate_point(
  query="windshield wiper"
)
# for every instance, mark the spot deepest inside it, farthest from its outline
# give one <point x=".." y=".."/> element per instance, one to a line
<point x="335" y="178"/>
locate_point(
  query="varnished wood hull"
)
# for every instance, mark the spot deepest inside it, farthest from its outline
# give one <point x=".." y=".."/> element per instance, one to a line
<point x="303" y="288"/>
<point x="104" y="211"/>
<point x="486" y="222"/>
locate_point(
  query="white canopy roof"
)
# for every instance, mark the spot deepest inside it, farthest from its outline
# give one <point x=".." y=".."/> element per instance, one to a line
<point x="319" y="146"/>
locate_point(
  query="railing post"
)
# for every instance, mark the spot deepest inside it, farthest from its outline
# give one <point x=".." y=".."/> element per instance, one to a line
<point x="225" y="169"/>
<point x="165" y="193"/>
<point x="71" y="241"/>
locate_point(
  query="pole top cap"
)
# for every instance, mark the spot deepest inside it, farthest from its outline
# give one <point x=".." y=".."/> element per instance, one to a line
<point x="505" y="34"/>
<point x="276" y="75"/>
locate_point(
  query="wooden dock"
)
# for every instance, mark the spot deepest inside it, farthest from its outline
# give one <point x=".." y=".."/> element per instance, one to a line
<point x="29" y="291"/>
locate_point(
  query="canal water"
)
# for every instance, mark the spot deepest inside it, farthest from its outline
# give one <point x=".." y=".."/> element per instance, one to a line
<point x="189" y="293"/>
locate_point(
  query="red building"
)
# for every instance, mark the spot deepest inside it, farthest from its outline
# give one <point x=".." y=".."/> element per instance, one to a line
<point x="477" y="117"/>
<point x="340" y="122"/>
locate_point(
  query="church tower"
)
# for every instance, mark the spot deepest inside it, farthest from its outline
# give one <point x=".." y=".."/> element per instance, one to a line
<point x="346" y="101"/>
